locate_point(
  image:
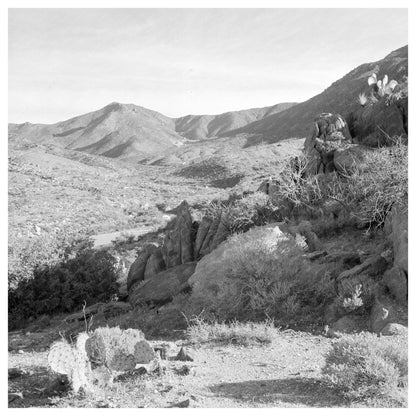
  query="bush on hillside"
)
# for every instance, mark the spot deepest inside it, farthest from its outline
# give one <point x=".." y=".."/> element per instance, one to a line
<point x="25" y="255"/>
<point x="367" y="194"/>
<point x="370" y="369"/>
<point x="246" y="212"/>
<point x="278" y="283"/>
<point x="88" y="277"/>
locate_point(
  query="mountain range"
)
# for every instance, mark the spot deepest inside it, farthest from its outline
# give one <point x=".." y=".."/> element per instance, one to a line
<point x="131" y="132"/>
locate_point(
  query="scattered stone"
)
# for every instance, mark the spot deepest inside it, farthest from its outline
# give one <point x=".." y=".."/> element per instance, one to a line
<point x="394" y="329"/>
<point x="185" y="354"/>
<point x="184" y="403"/>
<point x="182" y="371"/>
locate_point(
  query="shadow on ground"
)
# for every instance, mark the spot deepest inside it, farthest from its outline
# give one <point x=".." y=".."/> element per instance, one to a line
<point x="304" y="392"/>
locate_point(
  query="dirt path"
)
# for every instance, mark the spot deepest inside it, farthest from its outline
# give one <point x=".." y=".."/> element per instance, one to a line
<point x="286" y="373"/>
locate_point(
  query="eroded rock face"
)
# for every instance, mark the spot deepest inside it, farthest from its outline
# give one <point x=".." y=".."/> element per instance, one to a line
<point x="155" y="264"/>
<point x="161" y="288"/>
<point x="330" y="134"/>
<point x="373" y="124"/>
<point x="178" y="245"/>
<point x="137" y="269"/>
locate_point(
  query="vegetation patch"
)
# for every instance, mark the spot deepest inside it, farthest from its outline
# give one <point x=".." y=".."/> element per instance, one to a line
<point x="241" y="333"/>
<point x="368" y="369"/>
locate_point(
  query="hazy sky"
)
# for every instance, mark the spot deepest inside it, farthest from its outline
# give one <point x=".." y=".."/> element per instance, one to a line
<point x="65" y="62"/>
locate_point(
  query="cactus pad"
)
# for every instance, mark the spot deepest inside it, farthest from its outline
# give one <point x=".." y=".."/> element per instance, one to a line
<point x="61" y="358"/>
<point x="122" y="362"/>
<point x="143" y="352"/>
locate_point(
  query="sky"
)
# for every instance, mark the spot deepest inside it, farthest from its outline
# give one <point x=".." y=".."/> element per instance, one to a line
<point x="66" y="62"/>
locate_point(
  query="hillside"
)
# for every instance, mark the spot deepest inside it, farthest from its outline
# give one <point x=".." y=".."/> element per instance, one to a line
<point x="117" y="131"/>
<point x="341" y="97"/>
<point x="130" y="132"/>
<point x="201" y="127"/>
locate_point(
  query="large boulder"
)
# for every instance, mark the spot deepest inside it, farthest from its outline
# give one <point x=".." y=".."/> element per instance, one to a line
<point x="210" y="283"/>
<point x="178" y="244"/>
<point x="163" y="287"/>
<point x="372" y="125"/>
<point x="137" y="269"/>
<point x="330" y="133"/>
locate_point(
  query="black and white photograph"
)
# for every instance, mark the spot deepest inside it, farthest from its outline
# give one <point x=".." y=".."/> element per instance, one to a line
<point x="207" y="204"/>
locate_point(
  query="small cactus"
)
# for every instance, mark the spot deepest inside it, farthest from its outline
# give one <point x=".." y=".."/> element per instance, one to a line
<point x="109" y="349"/>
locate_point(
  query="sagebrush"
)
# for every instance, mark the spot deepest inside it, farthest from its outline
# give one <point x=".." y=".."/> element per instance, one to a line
<point x="366" y="368"/>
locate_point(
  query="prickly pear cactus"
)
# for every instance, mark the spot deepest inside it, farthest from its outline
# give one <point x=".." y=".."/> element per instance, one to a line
<point x="108" y="349"/>
<point x="61" y="358"/>
<point x="119" y="350"/>
<point x="143" y="352"/>
<point x="73" y="362"/>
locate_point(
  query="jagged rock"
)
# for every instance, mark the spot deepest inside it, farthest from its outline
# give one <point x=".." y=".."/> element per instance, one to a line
<point x="394" y="329"/>
<point x="201" y="235"/>
<point x="155" y="264"/>
<point x="373" y="124"/>
<point x="330" y="133"/>
<point x="162" y="287"/>
<point x="350" y="160"/>
<point x="137" y="269"/>
<point x="184" y="403"/>
<point x="395" y="280"/>
<point x="207" y="244"/>
<point x="178" y="245"/>
<point x="382" y="313"/>
<point x="185" y="354"/>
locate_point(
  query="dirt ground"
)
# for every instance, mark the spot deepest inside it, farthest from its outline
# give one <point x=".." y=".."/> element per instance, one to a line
<point x="285" y="373"/>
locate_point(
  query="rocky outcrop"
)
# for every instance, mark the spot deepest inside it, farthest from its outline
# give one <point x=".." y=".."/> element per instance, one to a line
<point x="178" y="245"/>
<point x="330" y="133"/>
<point x="373" y="124"/>
<point x="161" y="288"/>
<point x="155" y="264"/>
<point x="137" y="269"/>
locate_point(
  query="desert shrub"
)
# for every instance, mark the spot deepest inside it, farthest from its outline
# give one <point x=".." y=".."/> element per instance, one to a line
<point x="88" y="277"/>
<point x="370" y="369"/>
<point x="366" y="194"/>
<point x="26" y="254"/>
<point x="246" y="212"/>
<point x="276" y="282"/>
<point x="242" y="333"/>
